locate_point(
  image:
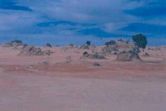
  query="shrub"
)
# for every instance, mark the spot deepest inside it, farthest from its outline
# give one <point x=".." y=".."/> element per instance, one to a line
<point x="111" y="42"/>
<point x="140" y="40"/>
<point x="17" y="41"/>
<point x="88" y="43"/>
<point x="48" y="45"/>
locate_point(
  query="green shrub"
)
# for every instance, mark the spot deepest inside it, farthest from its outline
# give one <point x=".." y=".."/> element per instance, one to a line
<point x="140" y="40"/>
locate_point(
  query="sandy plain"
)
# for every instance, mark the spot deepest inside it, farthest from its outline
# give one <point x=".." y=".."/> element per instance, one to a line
<point x="64" y="81"/>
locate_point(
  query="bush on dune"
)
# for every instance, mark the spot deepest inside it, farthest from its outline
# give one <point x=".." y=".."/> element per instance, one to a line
<point x="140" y="40"/>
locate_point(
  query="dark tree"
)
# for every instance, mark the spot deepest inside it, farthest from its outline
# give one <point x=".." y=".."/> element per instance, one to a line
<point x="88" y="43"/>
<point x="48" y="45"/>
<point x="17" y="41"/>
<point x="111" y="42"/>
<point x="140" y="40"/>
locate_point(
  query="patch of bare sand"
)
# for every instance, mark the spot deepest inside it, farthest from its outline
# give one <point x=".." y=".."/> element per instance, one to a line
<point x="30" y="92"/>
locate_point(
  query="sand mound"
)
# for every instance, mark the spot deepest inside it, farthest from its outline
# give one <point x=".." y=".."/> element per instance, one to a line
<point x="110" y="49"/>
<point x="93" y="55"/>
<point x="15" y="44"/>
<point x="115" y="47"/>
<point x="34" y="51"/>
<point x="128" y="56"/>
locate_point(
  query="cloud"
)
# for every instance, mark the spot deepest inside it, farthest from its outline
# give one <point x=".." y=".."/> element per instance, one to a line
<point x="13" y="22"/>
<point x="55" y="23"/>
<point x="95" y="31"/>
<point x="86" y="11"/>
<point x="150" y="29"/>
<point x="82" y="18"/>
<point x="81" y="14"/>
<point x="151" y="9"/>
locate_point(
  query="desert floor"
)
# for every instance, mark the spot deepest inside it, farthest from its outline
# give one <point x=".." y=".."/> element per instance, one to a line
<point x="65" y="81"/>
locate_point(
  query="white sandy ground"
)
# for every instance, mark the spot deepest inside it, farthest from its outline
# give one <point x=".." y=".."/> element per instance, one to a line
<point x="44" y="93"/>
<point x="28" y="85"/>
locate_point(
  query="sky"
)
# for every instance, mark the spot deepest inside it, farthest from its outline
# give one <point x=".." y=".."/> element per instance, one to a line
<point x="75" y="21"/>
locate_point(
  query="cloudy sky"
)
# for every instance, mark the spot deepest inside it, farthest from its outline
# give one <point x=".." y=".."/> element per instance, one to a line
<point x="74" y="21"/>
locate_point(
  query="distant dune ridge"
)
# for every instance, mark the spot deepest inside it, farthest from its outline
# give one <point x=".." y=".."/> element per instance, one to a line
<point x="27" y="49"/>
<point x="113" y="56"/>
<point x="124" y="50"/>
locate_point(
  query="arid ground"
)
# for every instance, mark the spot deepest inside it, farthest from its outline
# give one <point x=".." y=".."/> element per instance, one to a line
<point x="64" y="81"/>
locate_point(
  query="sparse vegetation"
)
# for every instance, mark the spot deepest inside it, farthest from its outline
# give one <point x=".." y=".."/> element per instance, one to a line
<point x="85" y="54"/>
<point x="111" y="42"/>
<point x="17" y="41"/>
<point x="88" y="43"/>
<point x="96" y="64"/>
<point x="48" y="45"/>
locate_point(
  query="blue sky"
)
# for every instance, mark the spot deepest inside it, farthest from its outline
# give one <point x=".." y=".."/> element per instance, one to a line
<point x="75" y="21"/>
